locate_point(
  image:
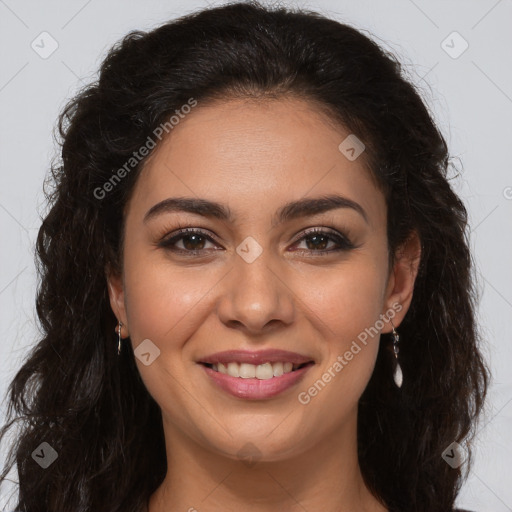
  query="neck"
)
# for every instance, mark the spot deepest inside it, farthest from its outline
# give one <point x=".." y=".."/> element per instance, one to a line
<point x="323" y="477"/>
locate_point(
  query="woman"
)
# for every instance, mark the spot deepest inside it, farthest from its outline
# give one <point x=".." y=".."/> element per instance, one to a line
<point x="256" y="287"/>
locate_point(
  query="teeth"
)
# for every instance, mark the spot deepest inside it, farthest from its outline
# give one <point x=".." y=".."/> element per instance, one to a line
<point x="277" y="369"/>
<point x="233" y="369"/>
<point x="247" y="371"/>
<point x="264" y="371"/>
<point x="250" y="371"/>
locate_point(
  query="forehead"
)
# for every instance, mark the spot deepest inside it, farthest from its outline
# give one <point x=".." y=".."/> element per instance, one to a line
<point x="255" y="154"/>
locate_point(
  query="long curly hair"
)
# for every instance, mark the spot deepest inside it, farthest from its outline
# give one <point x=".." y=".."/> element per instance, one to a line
<point x="91" y="406"/>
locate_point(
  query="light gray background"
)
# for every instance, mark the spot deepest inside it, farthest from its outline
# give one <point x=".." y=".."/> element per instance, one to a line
<point x="471" y="97"/>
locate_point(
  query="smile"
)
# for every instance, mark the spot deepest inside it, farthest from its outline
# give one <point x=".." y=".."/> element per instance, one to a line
<point x="255" y="375"/>
<point x="261" y="371"/>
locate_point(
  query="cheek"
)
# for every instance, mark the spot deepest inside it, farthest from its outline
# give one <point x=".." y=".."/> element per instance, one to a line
<point x="161" y="298"/>
<point x="347" y="305"/>
<point x="165" y="305"/>
<point x="348" y="300"/>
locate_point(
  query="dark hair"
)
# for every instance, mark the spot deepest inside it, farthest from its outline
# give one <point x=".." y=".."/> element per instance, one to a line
<point x="92" y="407"/>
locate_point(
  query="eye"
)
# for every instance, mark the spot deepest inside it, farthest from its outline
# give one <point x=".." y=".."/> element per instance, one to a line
<point x="193" y="241"/>
<point x="317" y="241"/>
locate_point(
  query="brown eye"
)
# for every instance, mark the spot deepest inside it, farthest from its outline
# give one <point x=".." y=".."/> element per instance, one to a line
<point x="190" y="242"/>
<point x="317" y="242"/>
<point x="193" y="241"/>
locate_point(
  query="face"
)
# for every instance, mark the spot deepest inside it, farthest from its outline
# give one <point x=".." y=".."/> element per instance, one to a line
<point x="280" y="284"/>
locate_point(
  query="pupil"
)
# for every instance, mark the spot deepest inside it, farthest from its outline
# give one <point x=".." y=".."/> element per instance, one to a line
<point x="316" y="237"/>
<point x="191" y="246"/>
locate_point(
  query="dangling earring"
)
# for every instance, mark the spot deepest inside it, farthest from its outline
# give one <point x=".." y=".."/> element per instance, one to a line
<point x="119" y="338"/>
<point x="397" y="374"/>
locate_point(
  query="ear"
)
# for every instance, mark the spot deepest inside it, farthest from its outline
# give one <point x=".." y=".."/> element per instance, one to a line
<point x="401" y="281"/>
<point x="117" y="297"/>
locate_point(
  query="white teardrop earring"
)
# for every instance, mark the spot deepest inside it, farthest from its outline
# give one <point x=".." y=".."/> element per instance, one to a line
<point x="397" y="374"/>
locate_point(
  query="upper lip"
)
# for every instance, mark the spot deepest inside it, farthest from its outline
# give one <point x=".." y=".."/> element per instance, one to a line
<point x="256" y="357"/>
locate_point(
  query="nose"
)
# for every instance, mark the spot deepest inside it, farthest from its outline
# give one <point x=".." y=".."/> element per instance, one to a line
<point x="256" y="297"/>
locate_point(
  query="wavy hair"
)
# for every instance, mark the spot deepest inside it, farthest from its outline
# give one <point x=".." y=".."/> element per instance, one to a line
<point x="92" y="407"/>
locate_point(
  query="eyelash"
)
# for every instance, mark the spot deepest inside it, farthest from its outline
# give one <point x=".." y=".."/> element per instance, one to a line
<point x="342" y="241"/>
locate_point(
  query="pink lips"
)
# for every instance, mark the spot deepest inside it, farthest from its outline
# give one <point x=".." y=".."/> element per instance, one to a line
<point x="256" y="389"/>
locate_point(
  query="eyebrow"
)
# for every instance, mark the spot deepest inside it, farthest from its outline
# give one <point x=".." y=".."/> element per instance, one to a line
<point x="293" y="210"/>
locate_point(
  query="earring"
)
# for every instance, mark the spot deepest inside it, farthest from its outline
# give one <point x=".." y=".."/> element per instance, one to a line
<point x="119" y="338"/>
<point x="397" y="374"/>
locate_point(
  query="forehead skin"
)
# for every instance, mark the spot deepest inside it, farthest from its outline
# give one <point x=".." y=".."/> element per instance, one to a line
<point x="258" y="154"/>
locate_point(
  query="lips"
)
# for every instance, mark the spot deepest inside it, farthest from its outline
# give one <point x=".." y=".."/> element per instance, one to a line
<point x="256" y="375"/>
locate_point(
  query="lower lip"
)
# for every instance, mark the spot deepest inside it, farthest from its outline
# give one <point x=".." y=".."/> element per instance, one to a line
<point x="256" y="389"/>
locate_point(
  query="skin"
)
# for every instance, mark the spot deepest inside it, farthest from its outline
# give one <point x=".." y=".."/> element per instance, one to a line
<point x="255" y="156"/>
